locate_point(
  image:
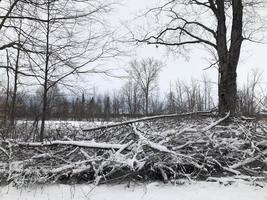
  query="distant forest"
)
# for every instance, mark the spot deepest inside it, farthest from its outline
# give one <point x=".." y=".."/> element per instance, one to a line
<point x="129" y="101"/>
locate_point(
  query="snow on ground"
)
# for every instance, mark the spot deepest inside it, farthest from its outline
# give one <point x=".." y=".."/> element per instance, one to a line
<point x="54" y="124"/>
<point x="152" y="191"/>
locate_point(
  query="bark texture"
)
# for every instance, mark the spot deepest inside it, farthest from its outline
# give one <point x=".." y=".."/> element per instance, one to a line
<point x="228" y="57"/>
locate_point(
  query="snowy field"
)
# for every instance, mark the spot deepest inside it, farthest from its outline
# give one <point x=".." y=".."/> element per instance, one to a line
<point x="153" y="191"/>
<point x="54" y="124"/>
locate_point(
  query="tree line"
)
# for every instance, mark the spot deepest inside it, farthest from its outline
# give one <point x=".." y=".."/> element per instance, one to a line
<point x="135" y="98"/>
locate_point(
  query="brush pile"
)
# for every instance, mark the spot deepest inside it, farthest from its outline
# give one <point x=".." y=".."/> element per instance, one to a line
<point x="164" y="148"/>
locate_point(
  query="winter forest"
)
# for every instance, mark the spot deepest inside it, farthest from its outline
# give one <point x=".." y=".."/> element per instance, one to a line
<point x="98" y="96"/>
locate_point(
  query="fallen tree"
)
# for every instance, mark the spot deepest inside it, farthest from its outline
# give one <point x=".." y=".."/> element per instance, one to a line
<point x="198" y="113"/>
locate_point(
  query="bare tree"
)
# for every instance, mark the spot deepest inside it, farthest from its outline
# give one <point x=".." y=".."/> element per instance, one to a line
<point x="188" y="97"/>
<point x="64" y="39"/>
<point x="179" y="89"/>
<point x="6" y="115"/>
<point x="157" y="105"/>
<point x="193" y="96"/>
<point x="16" y="69"/>
<point x="116" y="104"/>
<point x="132" y="96"/>
<point x="215" y="24"/>
<point x="207" y="91"/>
<point x="249" y="97"/>
<point x="171" y="104"/>
<point x="145" y="73"/>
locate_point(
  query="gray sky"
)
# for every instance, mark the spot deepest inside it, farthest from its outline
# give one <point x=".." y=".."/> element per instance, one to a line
<point x="253" y="56"/>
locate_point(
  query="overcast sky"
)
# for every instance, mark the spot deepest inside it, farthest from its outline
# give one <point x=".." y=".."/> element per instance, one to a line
<point x="253" y="56"/>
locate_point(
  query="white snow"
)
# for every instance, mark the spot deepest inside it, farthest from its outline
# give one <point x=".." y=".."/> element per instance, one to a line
<point x="89" y="144"/>
<point x="54" y="124"/>
<point x="240" y="190"/>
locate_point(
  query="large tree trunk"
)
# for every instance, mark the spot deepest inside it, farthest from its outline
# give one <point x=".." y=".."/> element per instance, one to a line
<point x="228" y="57"/>
<point x="227" y="89"/>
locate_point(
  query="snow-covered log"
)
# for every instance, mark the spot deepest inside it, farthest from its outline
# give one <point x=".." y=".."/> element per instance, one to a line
<point x="215" y="123"/>
<point x="146" y="119"/>
<point x="85" y="144"/>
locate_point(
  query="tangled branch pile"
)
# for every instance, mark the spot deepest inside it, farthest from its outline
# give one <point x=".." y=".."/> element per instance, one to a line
<point x="161" y="148"/>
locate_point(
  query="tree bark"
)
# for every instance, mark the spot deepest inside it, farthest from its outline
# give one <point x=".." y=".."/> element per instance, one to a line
<point x="228" y="58"/>
<point x="227" y="89"/>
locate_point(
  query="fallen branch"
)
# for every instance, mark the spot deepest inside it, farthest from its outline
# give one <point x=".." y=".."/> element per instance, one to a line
<point x="215" y="123"/>
<point x="146" y="119"/>
<point x="164" y="149"/>
<point x="249" y="160"/>
<point x="203" y="130"/>
<point x="153" y="145"/>
<point x="85" y="144"/>
<point x="72" y="166"/>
